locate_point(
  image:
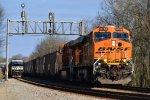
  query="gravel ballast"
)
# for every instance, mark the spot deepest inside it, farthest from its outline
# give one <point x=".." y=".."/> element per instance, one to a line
<point x="16" y="90"/>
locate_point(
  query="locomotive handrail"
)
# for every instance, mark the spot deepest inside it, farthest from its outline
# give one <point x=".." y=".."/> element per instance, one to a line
<point x="132" y="65"/>
<point x="95" y="63"/>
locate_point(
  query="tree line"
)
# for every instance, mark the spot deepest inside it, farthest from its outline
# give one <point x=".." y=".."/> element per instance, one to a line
<point x="135" y="16"/>
<point x="1" y="29"/>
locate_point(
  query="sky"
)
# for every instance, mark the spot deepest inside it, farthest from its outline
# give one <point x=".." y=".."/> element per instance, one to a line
<point x="64" y="10"/>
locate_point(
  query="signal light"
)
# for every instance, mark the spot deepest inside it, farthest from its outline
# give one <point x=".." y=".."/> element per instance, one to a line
<point x="23" y="5"/>
<point x="119" y="28"/>
<point x="113" y="43"/>
<point x="103" y="28"/>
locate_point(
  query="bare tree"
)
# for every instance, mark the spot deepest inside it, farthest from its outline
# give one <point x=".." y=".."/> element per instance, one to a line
<point x="1" y="74"/>
<point x="18" y="56"/>
<point x="1" y="27"/>
<point x="47" y="45"/>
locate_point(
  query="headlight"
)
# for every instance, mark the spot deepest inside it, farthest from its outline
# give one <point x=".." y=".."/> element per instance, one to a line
<point x="13" y="67"/>
<point x="99" y="64"/>
<point x="113" y="43"/>
<point x="105" y="60"/>
<point x="97" y="67"/>
<point x="124" y="60"/>
<point x="21" y="68"/>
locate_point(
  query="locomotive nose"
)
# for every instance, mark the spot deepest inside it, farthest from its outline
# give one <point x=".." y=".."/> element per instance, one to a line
<point x="114" y="43"/>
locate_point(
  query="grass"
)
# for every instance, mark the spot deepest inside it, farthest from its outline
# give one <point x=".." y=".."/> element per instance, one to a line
<point x="1" y="74"/>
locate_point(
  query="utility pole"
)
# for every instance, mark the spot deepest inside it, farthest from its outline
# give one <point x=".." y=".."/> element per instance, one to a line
<point x="7" y="49"/>
<point x="51" y="27"/>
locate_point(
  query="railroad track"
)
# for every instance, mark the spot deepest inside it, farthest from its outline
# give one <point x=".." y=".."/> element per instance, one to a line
<point x="111" y="92"/>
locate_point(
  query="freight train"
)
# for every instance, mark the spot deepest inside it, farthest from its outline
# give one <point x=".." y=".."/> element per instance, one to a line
<point x="16" y="68"/>
<point x="104" y="55"/>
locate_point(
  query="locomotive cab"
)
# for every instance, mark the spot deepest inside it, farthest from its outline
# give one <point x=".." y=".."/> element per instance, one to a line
<point x="16" y="68"/>
<point x="112" y="55"/>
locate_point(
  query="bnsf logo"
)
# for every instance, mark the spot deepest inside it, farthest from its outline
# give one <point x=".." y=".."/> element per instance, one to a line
<point x="113" y="49"/>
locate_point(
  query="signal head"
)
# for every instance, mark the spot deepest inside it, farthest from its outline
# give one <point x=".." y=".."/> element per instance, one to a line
<point x="23" y="5"/>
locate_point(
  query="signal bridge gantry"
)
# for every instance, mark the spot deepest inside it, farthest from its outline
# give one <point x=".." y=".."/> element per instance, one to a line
<point x="51" y="27"/>
<point x="19" y="27"/>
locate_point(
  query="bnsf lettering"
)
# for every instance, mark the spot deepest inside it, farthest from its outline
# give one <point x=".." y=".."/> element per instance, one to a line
<point x="113" y="48"/>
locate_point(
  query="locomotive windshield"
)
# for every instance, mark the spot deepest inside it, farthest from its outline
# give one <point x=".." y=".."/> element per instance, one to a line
<point x="123" y="36"/>
<point x="16" y="63"/>
<point x="98" y="36"/>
